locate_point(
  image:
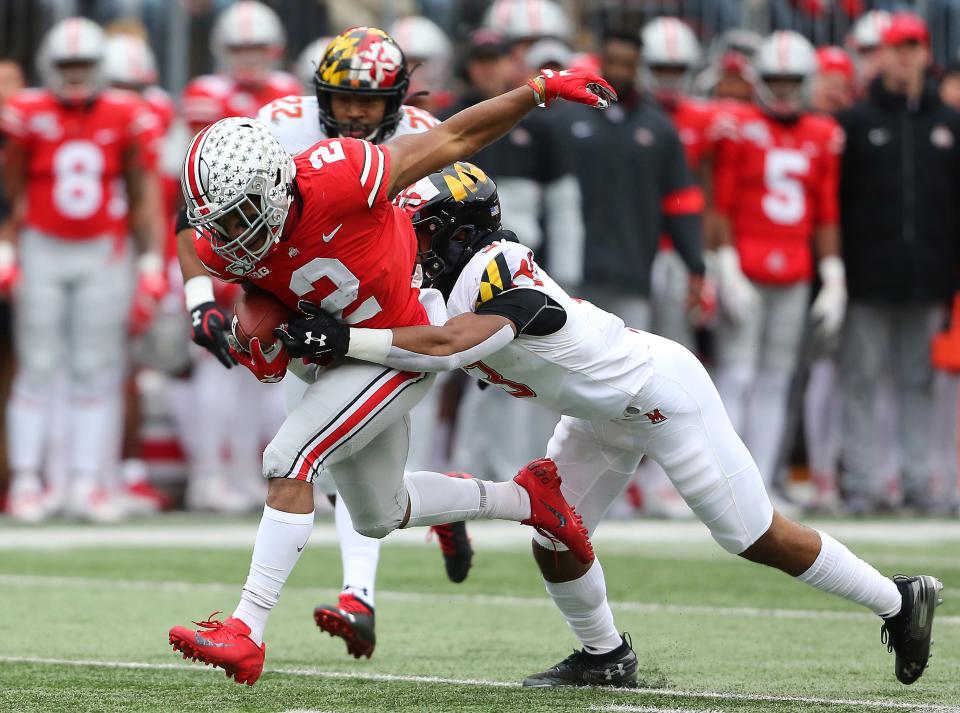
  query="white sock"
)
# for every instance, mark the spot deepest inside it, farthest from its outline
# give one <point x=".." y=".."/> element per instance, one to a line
<point x="280" y="540"/>
<point x="359" y="555"/>
<point x="503" y="501"/>
<point x="583" y="603"/>
<point x="436" y="499"/>
<point x="838" y="571"/>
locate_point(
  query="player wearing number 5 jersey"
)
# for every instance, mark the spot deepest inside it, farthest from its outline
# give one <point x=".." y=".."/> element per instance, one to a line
<point x="320" y="232"/>
<point x="776" y="195"/>
<point x="622" y="394"/>
<point x="80" y="172"/>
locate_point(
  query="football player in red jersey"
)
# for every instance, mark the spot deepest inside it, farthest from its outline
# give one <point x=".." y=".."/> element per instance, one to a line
<point x="776" y="194"/>
<point x="247" y="43"/>
<point x="320" y="233"/>
<point x="73" y="149"/>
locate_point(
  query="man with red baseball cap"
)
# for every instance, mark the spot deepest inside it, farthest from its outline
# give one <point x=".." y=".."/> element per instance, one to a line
<point x="899" y="220"/>
<point x="834" y="83"/>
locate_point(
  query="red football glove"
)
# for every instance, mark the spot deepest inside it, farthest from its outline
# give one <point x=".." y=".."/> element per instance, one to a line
<point x="268" y="369"/>
<point x="9" y="272"/>
<point x="151" y="287"/>
<point x="575" y="85"/>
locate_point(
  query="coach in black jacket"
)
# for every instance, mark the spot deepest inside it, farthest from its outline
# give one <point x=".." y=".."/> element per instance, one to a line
<point x="900" y="216"/>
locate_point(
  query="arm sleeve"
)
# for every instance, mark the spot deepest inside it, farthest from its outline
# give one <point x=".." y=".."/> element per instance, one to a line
<point x="828" y="212"/>
<point x="404" y="360"/>
<point x="533" y="312"/>
<point x="681" y="204"/>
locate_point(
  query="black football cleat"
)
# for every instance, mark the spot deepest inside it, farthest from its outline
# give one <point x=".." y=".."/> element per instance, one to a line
<point x="616" y="669"/>
<point x="908" y="632"/>
<point x="352" y="621"/>
<point x="456" y="549"/>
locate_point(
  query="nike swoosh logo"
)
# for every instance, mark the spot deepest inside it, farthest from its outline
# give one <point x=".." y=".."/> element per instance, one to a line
<point x="206" y="642"/>
<point x="327" y="237"/>
<point x="300" y="548"/>
<point x="562" y="520"/>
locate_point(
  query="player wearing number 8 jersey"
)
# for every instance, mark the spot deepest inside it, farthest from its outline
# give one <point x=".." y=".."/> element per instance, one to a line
<point x="301" y="228"/>
<point x="80" y="168"/>
<point x="776" y="195"/>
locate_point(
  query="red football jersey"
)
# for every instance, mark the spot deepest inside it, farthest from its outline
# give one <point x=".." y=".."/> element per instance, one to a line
<point x="693" y="119"/>
<point x="777" y="182"/>
<point x="75" y="159"/>
<point x="212" y="97"/>
<point x="344" y="247"/>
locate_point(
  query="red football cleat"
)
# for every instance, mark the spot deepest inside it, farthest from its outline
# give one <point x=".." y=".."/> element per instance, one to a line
<point x="550" y="514"/>
<point x="222" y="644"/>
<point x="351" y="620"/>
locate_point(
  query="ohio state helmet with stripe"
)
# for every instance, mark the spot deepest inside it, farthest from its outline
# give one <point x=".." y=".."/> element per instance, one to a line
<point x="245" y="26"/>
<point x="671" y="53"/>
<point x="238" y="184"/>
<point x="70" y="59"/>
<point x="867" y="32"/>
<point x="129" y="63"/>
<point x="517" y="19"/>
<point x="784" y="57"/>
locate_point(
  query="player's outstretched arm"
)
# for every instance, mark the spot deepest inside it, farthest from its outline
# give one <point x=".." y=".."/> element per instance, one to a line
<point x="415" y="156"/>
<point x="461" y="341"/>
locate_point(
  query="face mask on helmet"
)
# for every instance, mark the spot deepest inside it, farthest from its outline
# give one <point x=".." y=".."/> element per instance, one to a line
<point x="783" y="95"/>
<point x="362" y="62"/>
<point x="247" y="42"/>
<point x="70" y="60"/>
<point x="785" y="65"/>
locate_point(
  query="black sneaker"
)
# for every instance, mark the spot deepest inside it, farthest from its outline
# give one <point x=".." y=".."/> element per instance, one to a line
<point x="456" y="549"/>
<point x="617" y="669"/>
<point x="352" y="620"/>
<point x="908" y="632"/>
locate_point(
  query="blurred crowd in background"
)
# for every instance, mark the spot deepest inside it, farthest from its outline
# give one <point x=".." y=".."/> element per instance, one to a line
<point x="776" y="189"/>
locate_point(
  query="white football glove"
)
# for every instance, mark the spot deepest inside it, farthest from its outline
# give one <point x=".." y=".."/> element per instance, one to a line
<point x="830" y="305"/>
<point x="737" y="296"/>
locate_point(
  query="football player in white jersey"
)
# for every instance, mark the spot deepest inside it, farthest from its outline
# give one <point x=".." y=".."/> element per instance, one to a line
<point x="622" y="393"/>
<point x="375" y="114"/>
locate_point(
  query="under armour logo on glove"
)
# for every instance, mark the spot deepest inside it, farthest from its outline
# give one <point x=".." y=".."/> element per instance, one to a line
<point x="209" y="330"/>
<point x="315" y="335"/>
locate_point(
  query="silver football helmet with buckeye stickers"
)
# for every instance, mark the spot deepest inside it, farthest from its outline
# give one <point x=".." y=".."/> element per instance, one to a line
<point x="70" y="59"/>
<point x="238" y="184"/>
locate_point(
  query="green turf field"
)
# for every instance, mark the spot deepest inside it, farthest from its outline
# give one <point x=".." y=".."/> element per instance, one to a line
<point x="84" y="628"/>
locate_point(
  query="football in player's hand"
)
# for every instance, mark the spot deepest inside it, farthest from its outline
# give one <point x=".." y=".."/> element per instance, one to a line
<point x="257" y="314"/>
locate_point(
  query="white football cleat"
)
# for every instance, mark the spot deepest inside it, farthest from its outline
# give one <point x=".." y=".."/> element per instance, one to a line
<point x="28" y="507"/>
<point x="215" y="495"/>
<point x="98" y="506"/>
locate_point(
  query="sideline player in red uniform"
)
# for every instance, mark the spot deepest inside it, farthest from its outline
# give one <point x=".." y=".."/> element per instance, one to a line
<point x="776" y="193"/>
<point x="80" y="172"/>
<point x="247" y="43"/>
<point x="320" y="232"/>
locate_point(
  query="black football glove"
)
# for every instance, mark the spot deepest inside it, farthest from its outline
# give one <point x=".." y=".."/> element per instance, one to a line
<point x="209" y="330"/>
<point x="316" y="335"/>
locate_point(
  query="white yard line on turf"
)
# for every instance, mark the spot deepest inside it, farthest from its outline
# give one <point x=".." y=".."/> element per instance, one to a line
<point x="613" y="535"/>
<point x="617" y="708"/>
<point x="44" y="581"/>
<point x="398" y="678"/>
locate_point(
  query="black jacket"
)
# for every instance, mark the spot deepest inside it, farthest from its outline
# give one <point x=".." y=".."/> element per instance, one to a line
<point x="900" y="198"/>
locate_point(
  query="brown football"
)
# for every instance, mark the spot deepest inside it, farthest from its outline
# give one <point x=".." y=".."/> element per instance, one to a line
<point x="256" y="314"/>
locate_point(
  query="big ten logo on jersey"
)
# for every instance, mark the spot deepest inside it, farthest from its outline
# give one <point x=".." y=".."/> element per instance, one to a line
<point x="259" y="273"/>
<point x="286" y="107"/>
<point x="784" y="171"/>
<point x="486" y="374"/>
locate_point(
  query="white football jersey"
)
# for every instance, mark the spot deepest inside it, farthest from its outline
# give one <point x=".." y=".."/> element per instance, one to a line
<point x="295" y="121"/>
<point x="592" y="368"/>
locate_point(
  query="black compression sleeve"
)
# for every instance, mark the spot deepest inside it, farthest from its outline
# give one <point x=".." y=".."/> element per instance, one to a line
<point x="182" y="222"/>
<point x="534" y="313"/>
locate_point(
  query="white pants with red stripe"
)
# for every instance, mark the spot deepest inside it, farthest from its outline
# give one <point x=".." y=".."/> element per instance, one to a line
<point x="353" y="423"/>
<point x="680" y="423"/>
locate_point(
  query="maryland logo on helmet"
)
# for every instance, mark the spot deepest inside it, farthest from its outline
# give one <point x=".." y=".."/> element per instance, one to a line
<point x="464" y="179"/>
<point x="363" y="59"/>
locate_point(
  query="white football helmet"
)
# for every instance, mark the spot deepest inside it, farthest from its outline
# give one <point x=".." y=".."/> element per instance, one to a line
<point x="426" y="47"/>
<point x="309" y="60"/>
<point x="516" y="19"/>
<point x="129" y="63"/>
<point x="785" y="55"/>
<point x="237" y="174"/>
<point x="670" y="46"/>
<point x="867" y="32"/>
<point x="247" y="41"/>
<point x="70" y="59"/>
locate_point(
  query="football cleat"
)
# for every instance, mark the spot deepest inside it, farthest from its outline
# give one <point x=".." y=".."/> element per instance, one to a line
<point x="456" y="549"/>
<point x="908" y="632"/>
<point x="616" y="669"/>
<point x="352" y="621"/>
<point x="550" y="514"/>
<point x="222" y="644"/>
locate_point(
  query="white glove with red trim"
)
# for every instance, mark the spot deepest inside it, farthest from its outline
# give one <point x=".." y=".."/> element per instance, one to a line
<point x="9" y="272"/>
<point x="575" y="85"/>
<point x="830" y="305"/>
<point x="738" y="297"/>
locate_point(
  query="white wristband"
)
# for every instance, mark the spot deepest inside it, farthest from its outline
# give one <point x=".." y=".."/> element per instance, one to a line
<point x="370" y="344"/>
<point x="150" y="263"/>
<point x="8" y="254"/>
<point x="832" y="271"/>
<point x="198" y="290"/>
